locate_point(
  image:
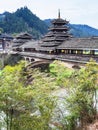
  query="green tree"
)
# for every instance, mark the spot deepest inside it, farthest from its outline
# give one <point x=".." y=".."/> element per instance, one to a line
<point x="44" y="85"/>
<point x="82" y="98"/>
<point x="1" y="30"/>
<point x="59" y="70"/>
<point x="15" y="98"/>
<point x="25" y="107"/>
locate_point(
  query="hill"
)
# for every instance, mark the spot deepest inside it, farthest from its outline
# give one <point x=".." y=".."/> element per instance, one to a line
<point x="22" y="20"/>
<point x="79" y="30"/>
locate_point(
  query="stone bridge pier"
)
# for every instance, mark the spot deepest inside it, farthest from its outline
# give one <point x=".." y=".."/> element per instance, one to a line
<point x="2" y="58"/>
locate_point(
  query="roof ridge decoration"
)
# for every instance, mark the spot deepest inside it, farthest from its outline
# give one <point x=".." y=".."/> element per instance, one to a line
<point x="59" y="17"/>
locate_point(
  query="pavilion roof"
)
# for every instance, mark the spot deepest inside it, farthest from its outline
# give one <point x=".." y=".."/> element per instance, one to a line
<point x="24" y="35"/>
<point x="19" y="42"/>
<point x="30" y="44"/>
<point x="21" y="39"/>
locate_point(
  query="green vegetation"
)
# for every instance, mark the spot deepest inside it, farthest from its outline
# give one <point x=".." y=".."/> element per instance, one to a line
<point x="1" y="30"/>
<point x="82" y="97"/>
<point x="23" y="20"/>
<point x="27" y="104"/>
<point x="60" y="72"/>
<point x="79" y="30"/>
<point x="0" y="64"/>
<point x="12" y="59"/>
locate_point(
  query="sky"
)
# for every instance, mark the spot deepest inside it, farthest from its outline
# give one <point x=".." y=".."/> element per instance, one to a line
<point x="75" y="11"/>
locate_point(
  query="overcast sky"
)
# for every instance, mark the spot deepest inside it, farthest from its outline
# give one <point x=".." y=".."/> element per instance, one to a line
<point x="76" y="11"/>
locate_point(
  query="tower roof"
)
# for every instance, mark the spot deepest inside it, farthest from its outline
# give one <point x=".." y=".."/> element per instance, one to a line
<point x="59" y="20"/>
<point x="58" y="33"/>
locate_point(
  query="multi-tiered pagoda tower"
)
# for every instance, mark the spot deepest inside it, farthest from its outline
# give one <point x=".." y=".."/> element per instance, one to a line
<point x="57" y="34"/>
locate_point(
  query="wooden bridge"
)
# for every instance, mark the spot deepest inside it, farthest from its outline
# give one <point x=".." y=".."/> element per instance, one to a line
<point x="42" y="63"/>
<point x="39" y="64"/>
<point x="41" y="60"/>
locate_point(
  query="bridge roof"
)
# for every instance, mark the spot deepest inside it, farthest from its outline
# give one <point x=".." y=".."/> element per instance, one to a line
<point x="46" y="48"/>
<point x="80" y="43"/>
<point x="72" y="43"/>
<point x="38" y="46"/>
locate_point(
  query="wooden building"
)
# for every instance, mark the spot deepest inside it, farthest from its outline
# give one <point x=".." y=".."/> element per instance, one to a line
<point x="5" y="41"/>
<point x="19" y="40"/>
<point x="58" y="44"/>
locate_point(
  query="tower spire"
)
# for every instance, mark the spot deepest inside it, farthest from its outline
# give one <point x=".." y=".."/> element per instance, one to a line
<point x="59" y="14"/>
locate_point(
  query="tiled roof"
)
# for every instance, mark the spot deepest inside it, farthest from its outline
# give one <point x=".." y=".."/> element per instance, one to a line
<point x="45" y="48"/>
<point x="30" y="44"/>
<point x="19" y="42"/>
<point x="37" y="46"/>
<point x="6" y="36"/>
<point x="80" y="43"/>
<point x="59" y="21"/>
<point x="50" y="43"/>
<point x="24" y="35"/>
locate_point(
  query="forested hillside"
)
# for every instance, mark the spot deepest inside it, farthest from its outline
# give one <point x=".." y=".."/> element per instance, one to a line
<point x="79" y="30"/>
<point x="22" y="20"/>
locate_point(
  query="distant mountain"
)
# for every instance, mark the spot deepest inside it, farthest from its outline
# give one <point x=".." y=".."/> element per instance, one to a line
<point x="78" y="30"/>
<point x="48" y="22"/>
<point x="22" y="20"/>
<point x="2" y="16"/>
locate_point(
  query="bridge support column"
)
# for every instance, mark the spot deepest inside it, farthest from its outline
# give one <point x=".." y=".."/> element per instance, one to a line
<point x="30" y="59"/>
<point x="2" y="57"/>
<point x="24" y="58"/>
